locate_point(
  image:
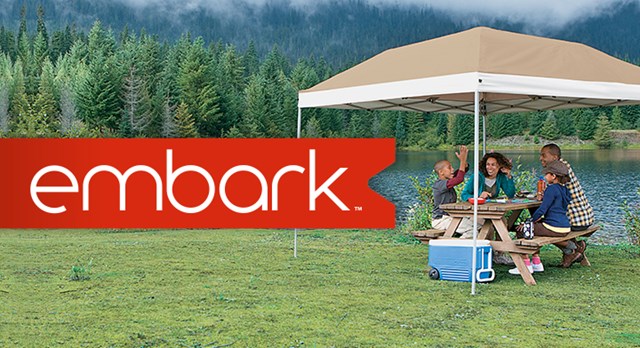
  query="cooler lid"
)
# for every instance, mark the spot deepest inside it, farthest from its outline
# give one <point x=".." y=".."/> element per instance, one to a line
<point x="459" y="242"/>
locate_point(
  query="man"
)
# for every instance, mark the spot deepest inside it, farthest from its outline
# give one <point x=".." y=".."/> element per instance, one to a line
<point x="579" y="210"/>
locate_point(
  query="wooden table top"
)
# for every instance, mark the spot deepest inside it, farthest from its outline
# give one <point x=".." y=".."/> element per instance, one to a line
<point x="511" y="204"/>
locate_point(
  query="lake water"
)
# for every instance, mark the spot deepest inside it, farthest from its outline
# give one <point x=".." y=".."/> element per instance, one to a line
<point x="608" y="178"/>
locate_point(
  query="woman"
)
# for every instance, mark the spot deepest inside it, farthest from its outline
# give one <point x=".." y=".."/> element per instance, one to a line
<point x="494" y="176"/>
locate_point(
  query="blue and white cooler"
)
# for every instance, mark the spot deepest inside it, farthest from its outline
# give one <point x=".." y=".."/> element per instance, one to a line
<point x="451" y="259"/>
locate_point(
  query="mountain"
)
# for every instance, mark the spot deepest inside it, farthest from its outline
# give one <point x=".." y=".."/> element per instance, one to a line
<point x="343" y="33"/>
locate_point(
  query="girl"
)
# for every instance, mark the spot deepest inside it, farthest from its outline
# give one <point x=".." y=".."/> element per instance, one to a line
<point x="550" y="219"/>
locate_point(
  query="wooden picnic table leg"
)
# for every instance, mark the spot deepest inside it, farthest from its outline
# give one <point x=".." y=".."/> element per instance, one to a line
<point x="513" y="217"/>
<point x="487" y="228"/>
<point x="503" y="232"/>
<point x="524" y="271"/>
<point x="455" y="221"/>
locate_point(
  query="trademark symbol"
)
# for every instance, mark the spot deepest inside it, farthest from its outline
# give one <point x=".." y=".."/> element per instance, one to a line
<point x="357" y="208"/>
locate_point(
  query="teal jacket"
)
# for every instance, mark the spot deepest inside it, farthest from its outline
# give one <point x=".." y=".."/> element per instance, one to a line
<point x="503" y="183"/>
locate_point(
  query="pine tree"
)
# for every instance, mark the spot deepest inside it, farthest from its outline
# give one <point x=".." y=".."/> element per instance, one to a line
<point x="185" y="124"/>
<point x="19" y="102"/>
<point x="68" y="119"/>
<point x="617" y="122"/>
<point x="98" y="97"/>
<point x="169" y="125"/>
<point x="4" y="109"/>
<point x="463" y="130"/>
<point x="602" y="137"/>
<point x="586" y="124"/>
<point x="415" y="127"/>
<point x="549" y="129"/>
<point x="536" y="121"/>
<point x="45" y="104"/>
<point x="401" y="131"/>
<point x="135" y="117"/>
<point x="312" y="129"/>
<point x="231" y="82"/>
<point x="196" y="82"/>
<point x="256" y="108"/>
<point x="565" y="122"/>
<point x="250" y="60"/>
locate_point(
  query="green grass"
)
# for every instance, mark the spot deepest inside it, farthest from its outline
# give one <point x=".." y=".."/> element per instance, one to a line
<point x="196" y="288"/>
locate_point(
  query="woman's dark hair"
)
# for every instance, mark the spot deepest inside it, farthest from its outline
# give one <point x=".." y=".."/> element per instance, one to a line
<point x="503" y="162"/>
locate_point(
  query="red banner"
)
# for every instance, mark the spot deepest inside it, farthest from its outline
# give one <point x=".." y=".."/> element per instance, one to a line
<point x="193" y="183"/>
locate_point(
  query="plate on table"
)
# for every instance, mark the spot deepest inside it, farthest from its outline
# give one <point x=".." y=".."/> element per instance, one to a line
<point x="524" y="194"/>
<point x="480" y="200"/>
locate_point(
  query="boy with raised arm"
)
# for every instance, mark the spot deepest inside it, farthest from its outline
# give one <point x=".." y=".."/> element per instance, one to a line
<point x="444" y="191"/>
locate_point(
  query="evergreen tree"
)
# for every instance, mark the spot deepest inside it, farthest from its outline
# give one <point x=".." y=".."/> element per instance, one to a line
<point x="19" y="102"/>
<point x="233" y="132"/>
<point x="68" y="119"/>
<point x="45" y="104"/>
<point x="98" y="97"/>
<point x="536" y="121"/>
<point x="135" y="118"/>
<point x="463" y="130"/>
<point x="169" y="125"/>
<point x="401" y="131"/>
<point x="196" y="82"/>
<point x="7" y="43"/>
<point x="4" y="109"/>
<point x="256" y="108"/>
<point x="549" y="129"/>
<point x="586" y="124"/>
<point x="415" y="127"/>
<point x="602" y="137"/>
<point x="5" y="84"/>
<point x="617" y="122"/>
<point x="185" y="124"/>
<point x="358" y="125"/>
<point x="41" y="29"/>
<point x="312" y="129"/>
<point x="231" y="82"/>
<point x="565" y="122"/>
<point x="250" y="60"/>
<point x="376" y="126"/>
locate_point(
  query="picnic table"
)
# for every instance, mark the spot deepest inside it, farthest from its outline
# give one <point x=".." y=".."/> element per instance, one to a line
<point x="495" y="221"/>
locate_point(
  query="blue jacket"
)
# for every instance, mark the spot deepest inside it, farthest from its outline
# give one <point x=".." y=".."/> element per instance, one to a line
<point x="554" y="206"/>
<point x="503" y="183"/>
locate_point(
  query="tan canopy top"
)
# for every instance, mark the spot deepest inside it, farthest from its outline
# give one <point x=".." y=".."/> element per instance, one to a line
<point x="514" y="72"/>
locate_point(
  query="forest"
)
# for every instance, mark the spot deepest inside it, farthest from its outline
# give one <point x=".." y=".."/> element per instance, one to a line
<point x="71" y="83"/>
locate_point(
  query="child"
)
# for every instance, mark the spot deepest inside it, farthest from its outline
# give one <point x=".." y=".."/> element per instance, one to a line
<point x="444" y="191"/>
<point x="550" y="219"/>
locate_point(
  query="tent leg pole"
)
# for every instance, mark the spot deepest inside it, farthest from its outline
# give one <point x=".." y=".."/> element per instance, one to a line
<point x="295" y="231"/>
<point x="484" y="134"/>
<point x="476" y="140"/>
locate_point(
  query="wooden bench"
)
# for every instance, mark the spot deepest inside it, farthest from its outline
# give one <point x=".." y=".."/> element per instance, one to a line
<point x="425" y="235"/>
<point x="537" y="242"/>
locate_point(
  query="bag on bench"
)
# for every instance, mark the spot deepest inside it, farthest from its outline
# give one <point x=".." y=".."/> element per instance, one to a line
<point x="527" y="229"/>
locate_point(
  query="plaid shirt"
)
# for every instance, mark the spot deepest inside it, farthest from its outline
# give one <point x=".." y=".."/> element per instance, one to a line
<point x="579" y="210"/>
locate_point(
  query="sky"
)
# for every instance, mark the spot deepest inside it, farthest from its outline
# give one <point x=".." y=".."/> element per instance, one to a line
<point x="537" y="15"/>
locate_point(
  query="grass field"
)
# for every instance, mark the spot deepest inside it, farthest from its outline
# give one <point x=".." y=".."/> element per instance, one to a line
<point x="243" y="288"/>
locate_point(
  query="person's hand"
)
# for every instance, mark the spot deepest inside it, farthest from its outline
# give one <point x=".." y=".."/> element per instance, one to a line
<point x="464" y="152"/>
<point x="485" y="195"/>
<point x="539" y="196"/>
<point x="506" y="171"/>
<point x="519" y="227"/>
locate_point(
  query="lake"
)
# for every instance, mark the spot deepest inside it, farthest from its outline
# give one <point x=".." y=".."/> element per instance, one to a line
<point x="608" y="177"/>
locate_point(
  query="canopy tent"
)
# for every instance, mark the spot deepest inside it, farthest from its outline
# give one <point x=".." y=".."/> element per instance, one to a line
<point x="480" y="71"/>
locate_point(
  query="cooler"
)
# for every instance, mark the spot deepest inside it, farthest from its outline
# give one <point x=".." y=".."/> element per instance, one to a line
<point x="451" y="259"/>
